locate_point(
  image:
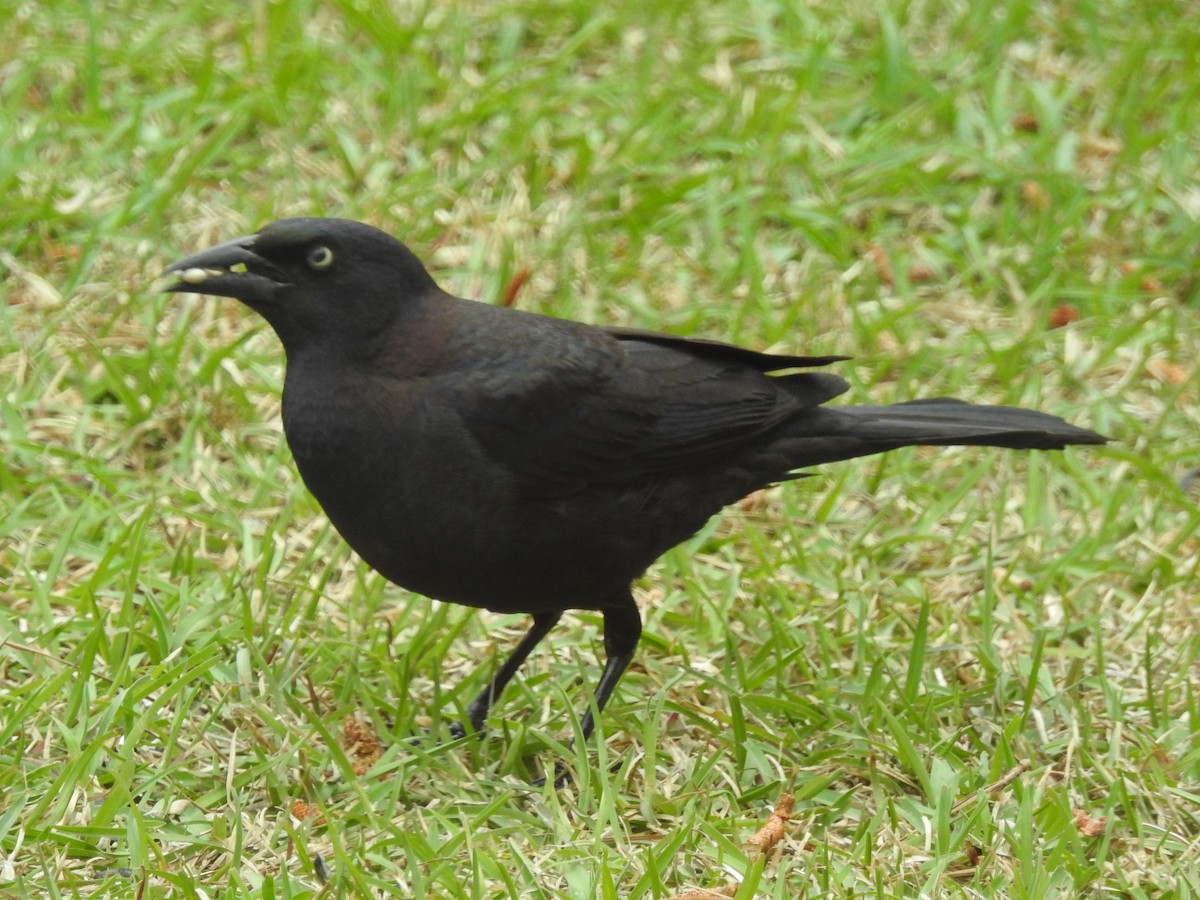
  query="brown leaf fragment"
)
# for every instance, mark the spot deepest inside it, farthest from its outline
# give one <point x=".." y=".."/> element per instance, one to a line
<point x="302" y="811"/>
<point x="1026" y="122"/>
<point x="1088" y="826"/>
<point x="1063" y="314"/>
<point x="773" y="830"/>
<point x="882" y="264"/>
<point x="920" y="273"/>
<point x="1035" y="195"/>
<point x="1167" y="372"/>
<point x="1151" y="285"/>
<point x="514" y="286"/>
<point x="361" y="744"/>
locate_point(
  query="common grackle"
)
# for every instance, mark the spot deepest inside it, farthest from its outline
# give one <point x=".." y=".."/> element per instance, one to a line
<point x="521" y="463"/>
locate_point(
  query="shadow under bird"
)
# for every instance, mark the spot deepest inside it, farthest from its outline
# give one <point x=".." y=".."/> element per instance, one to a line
<point x="520" y="463"/>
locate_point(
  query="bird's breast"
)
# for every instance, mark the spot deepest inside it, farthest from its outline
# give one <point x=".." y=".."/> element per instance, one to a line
<point x="401" y="480"/>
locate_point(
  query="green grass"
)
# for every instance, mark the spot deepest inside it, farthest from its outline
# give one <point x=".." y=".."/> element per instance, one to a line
<point x="942" y="654"/>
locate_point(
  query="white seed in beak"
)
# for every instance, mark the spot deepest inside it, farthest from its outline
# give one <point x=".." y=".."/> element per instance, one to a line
<point x="199" y="276"/>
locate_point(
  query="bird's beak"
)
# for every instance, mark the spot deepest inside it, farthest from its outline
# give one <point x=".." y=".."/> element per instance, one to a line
<point x="231" y="269"/>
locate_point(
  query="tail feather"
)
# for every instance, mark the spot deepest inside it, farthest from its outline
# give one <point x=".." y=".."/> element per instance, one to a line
<point x="949" y="422"/>
<point x="828" y="434"/>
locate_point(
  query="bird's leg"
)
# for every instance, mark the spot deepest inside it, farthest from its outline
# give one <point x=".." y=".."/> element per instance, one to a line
<point x="477" y="712"/>
<point x="622" y="630"/>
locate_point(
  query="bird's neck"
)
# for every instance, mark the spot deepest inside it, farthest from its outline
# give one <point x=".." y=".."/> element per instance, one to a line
<point x="410" y="344"/>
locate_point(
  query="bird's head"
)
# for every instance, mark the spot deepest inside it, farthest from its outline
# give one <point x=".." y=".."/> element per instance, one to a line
<point x="314" y="280"/>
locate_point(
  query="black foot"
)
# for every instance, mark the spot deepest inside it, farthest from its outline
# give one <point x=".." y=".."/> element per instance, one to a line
<point x="458" y="730"/>
<point x="562" y="777"/>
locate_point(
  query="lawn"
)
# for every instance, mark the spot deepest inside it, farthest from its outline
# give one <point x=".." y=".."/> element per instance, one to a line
<point x="977" y="672"/>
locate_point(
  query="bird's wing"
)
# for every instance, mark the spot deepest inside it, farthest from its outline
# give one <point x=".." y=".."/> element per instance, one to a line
<point x="624" y="407"/>
<point x="721" y="352"/>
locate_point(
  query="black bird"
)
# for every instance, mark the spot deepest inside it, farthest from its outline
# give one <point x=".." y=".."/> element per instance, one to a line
<point x="520" y="463"/>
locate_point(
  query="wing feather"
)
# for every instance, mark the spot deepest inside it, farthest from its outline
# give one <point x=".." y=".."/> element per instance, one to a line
<point x="626" y="407"/>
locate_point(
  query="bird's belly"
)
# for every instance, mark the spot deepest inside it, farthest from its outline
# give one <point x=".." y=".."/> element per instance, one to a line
<point x="424" y="507"/>
<point x="477" y="548"/>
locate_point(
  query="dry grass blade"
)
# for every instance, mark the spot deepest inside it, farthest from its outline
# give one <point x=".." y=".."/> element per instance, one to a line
<point x="729" y="890"/>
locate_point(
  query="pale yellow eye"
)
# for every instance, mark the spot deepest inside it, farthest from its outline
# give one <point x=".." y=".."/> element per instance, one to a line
<point x="319" y="257"/>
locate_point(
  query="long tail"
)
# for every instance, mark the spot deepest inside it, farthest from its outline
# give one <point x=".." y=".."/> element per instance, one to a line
<point x="828" y="434"/>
